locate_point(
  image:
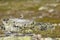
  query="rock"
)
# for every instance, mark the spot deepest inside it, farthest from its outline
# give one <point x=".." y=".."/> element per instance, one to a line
<point x="43" y="8"/>
<point x="51" y="10"/>
<point x="52" y="5"/>
<point x="59" y="24"/>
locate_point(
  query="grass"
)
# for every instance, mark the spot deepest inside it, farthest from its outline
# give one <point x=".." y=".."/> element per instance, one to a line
<point x="46" y="19"/>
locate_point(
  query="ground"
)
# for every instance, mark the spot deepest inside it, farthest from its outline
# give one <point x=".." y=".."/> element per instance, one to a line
<point x="29" y="8"/>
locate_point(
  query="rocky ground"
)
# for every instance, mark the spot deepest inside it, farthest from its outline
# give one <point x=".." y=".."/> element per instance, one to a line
<point x="39" y="10"/>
